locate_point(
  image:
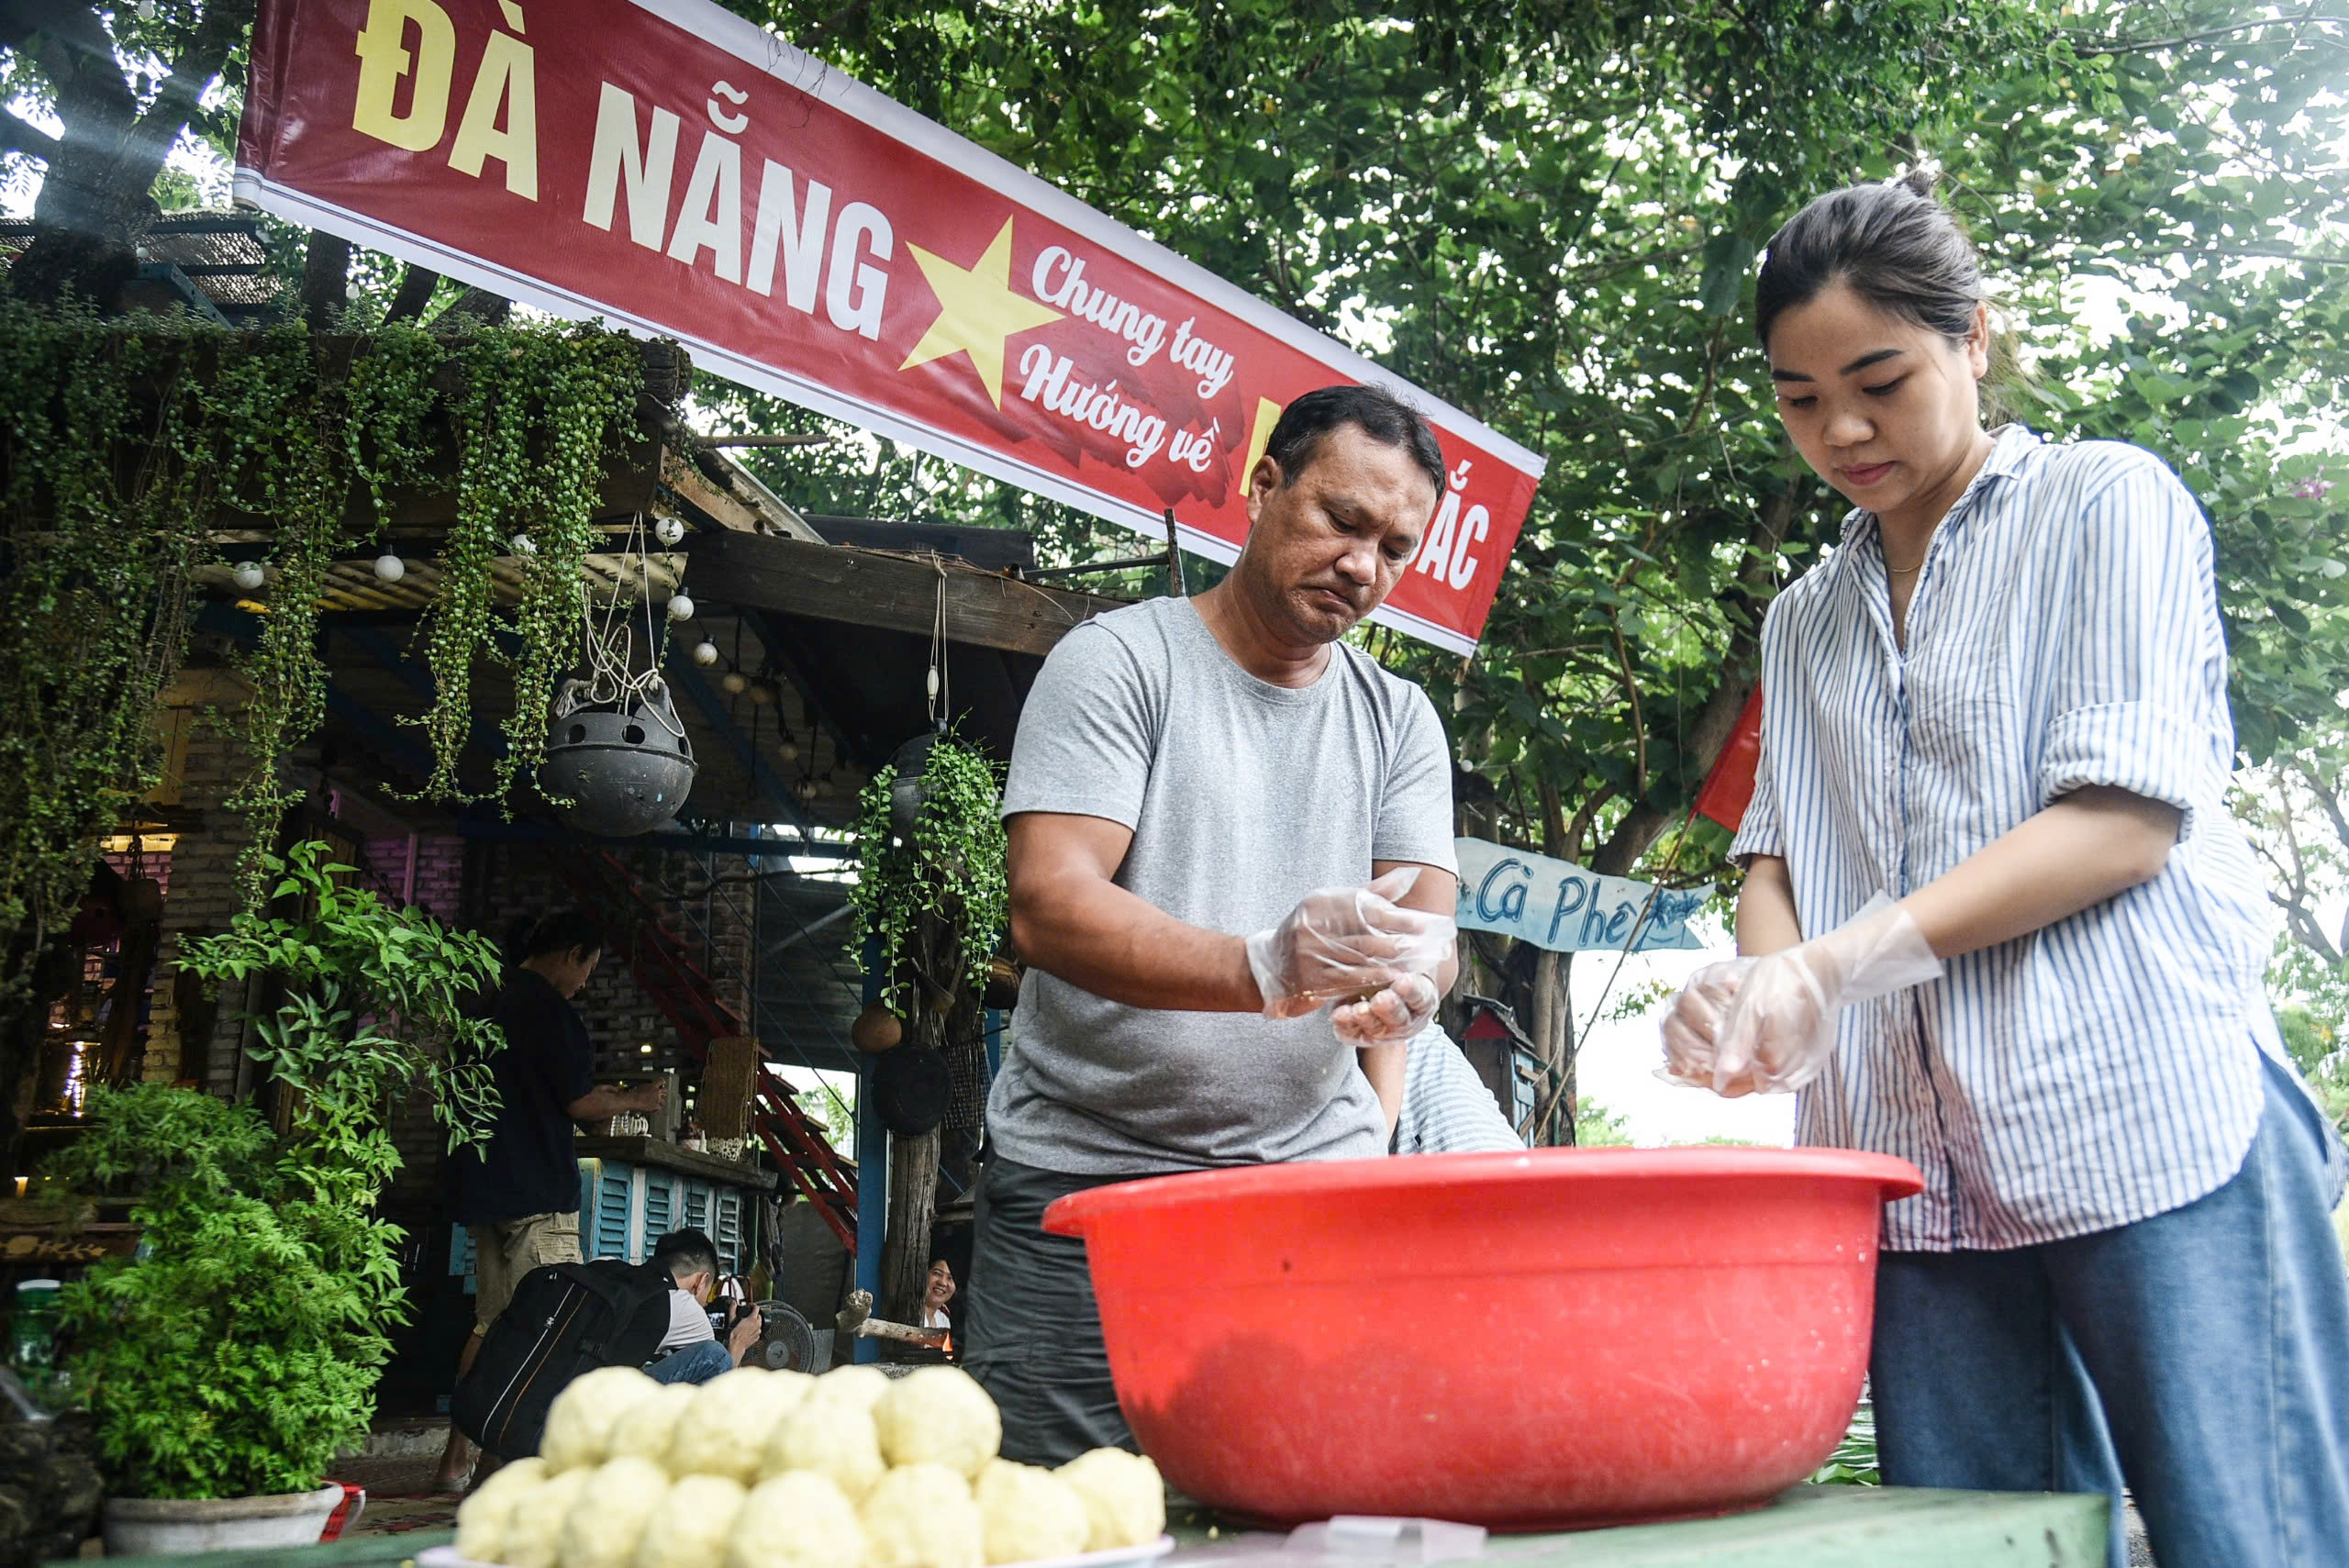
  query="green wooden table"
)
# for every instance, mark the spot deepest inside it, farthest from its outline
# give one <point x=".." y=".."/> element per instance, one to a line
<point x="1816" y="1527"/>
<point x="1810" y="1527"/>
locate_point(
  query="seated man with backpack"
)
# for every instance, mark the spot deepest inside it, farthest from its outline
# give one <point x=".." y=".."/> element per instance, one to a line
<point x="567" y="1318"/>
<point x="690" y="1351"/>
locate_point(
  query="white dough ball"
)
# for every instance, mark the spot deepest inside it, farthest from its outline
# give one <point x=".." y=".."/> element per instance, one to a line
<point x="650" y="1427"/>
<point x="1029" y="1513"/>
<point x="834" y="1437"/>
<point x="921" y="1516"/>
<point x="939" y="1414"/>
<point x="690" y="1528"/>
<point x="1123" y="1496"/>
<point x="481" y="1518"/>
<point x="580" y="1422"/>
<point x="608" y="1520"/>
<point x="797" y="1520"/>
<point x="724" y="1431"/>
<point x="534" y="1528"/>
<point x="863" y="1384"/>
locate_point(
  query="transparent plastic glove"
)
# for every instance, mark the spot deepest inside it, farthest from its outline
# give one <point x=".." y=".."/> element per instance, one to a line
<point x="1346" y="942"/>
<point x="1779" y="1032"/>
<point x="1692" y="1023"/>
<point x="1397" y="1014"/>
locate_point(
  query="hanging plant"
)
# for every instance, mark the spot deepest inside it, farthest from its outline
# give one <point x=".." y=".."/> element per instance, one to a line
<point x="127" y="444"/>
<point x="534" y="423"/>
<point x="932" y="896"/>
<point x="318" y="432"/>
<point x="108" y="467"/>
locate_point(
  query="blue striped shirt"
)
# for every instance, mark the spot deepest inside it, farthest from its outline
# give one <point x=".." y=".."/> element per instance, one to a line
<point x="1447" y="1107"/>
<point x="2063" y="632"/>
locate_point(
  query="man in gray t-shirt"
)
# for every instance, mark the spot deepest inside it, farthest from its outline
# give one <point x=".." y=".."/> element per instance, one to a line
<point x="1199" y="793"/>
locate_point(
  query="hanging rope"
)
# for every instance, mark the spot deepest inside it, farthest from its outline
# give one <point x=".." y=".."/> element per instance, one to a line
<point x="942" y="694"/>
<point x="609" y="648"/>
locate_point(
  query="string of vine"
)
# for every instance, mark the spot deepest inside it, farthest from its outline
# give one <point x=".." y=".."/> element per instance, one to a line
<point x="137" y="453"/>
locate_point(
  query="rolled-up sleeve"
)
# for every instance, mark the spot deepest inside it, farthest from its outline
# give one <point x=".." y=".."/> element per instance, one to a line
<point x="1415" y="812"/>
<point x="2137" y="677"/>
<point x="1759" y="831"/>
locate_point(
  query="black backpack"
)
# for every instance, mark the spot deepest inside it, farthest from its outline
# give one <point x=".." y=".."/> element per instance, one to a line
<point x="565" y="1318"/>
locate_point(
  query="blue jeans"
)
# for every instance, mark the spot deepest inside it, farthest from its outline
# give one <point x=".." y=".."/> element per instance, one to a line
<point x="694" y="1363"/>
<point x="2202" y="1353"/>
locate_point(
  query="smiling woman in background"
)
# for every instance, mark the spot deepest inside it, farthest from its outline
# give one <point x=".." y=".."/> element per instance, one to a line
<point x="1998" y="921"/>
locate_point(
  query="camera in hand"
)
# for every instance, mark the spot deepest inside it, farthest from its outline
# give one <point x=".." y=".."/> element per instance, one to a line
<point x="724" y="1315"/>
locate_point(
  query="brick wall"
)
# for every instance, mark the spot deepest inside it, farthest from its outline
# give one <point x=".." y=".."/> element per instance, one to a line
<point x="496" y="886"/>
<point x="203" y="895"/>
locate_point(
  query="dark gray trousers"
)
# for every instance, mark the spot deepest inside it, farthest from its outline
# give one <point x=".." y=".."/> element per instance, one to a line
<point x="1032" y="1329"/>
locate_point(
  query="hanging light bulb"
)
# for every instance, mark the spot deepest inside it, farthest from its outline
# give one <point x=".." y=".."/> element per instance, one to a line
<point x="390" y="568"/>
<point x="733" y="682"/>
<point x="705" y="654"/>
<point x="668" y="530"/>
<point x="520" y="545"/>
<point x="790" y="750"/>
<point x="680" y="607"/>
<point x="249" y="575"/>
<point x="762" y="693"/>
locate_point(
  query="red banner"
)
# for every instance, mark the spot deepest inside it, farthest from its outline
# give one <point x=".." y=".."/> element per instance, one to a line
<point x="1729" y="788"/>
<point x="667" y="166"/>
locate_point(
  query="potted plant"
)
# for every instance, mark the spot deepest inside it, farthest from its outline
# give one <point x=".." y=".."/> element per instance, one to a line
<point x="931" y="898"/>
<point x="228" y="1362"/>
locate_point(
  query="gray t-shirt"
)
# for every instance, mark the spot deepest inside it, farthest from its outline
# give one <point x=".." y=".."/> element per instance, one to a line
<point x="1243" y="797"/>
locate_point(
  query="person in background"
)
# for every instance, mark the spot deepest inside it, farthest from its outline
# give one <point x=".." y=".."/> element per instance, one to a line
<point x="691" y="1350"/>
<point x="1447" y="1107"/>
<point x="1189" y="771"/>
<point x="935" y="1294"/>
<point x="1998" y="920"/>
<point x="518" y="1198"/>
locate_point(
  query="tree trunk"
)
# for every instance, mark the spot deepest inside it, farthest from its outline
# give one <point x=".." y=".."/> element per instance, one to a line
<point x="914" y="1162"/>
<point x="94" y="203"/>
<point x="415" y="289"/>
<point x="1552" y="1024"/>
<point x="913" y="1208"/>
<point x="326" y="279"/>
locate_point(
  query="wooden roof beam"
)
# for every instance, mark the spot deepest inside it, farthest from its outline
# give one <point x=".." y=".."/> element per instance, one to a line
<point x="894" y="593"/>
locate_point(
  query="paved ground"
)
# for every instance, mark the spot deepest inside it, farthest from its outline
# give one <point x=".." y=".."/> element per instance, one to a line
<point x="397" y="1473"/>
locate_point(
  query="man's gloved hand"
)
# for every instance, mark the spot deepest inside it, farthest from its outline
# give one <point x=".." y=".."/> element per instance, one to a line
<point x="1344" y="942"/>
<point x="1399" y="1013"/>
<point x="1775" y="1014"/>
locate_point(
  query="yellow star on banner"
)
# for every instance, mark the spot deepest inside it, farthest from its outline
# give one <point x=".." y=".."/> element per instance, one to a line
<point x="976" y="311"/>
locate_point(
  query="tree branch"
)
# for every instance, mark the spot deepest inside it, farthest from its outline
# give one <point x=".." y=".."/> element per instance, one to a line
<point x="20" y="135"/>
<point x="20" y="20"/>
<point x="417" y="285"/>
<point x="152" y="134"/>
<point x="2327" y="800"/>
<point x="2093" y="47"/>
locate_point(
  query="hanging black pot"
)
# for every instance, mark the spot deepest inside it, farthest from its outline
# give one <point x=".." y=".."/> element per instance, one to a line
<point x="911" y="1088"/>
<point x="907" y="791"/>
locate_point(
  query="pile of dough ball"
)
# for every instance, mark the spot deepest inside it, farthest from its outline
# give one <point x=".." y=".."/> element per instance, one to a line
<point x="759" y="1469"/>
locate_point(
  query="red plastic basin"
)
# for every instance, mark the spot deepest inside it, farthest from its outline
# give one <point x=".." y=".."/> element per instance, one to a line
<point x="1553" y="1340"/>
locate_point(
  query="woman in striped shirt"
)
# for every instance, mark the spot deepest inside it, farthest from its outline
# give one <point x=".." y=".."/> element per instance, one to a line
<point x="1998" y="921"/>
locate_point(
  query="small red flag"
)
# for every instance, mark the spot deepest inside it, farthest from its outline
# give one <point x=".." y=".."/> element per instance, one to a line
<point x="1729" y="788"/>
